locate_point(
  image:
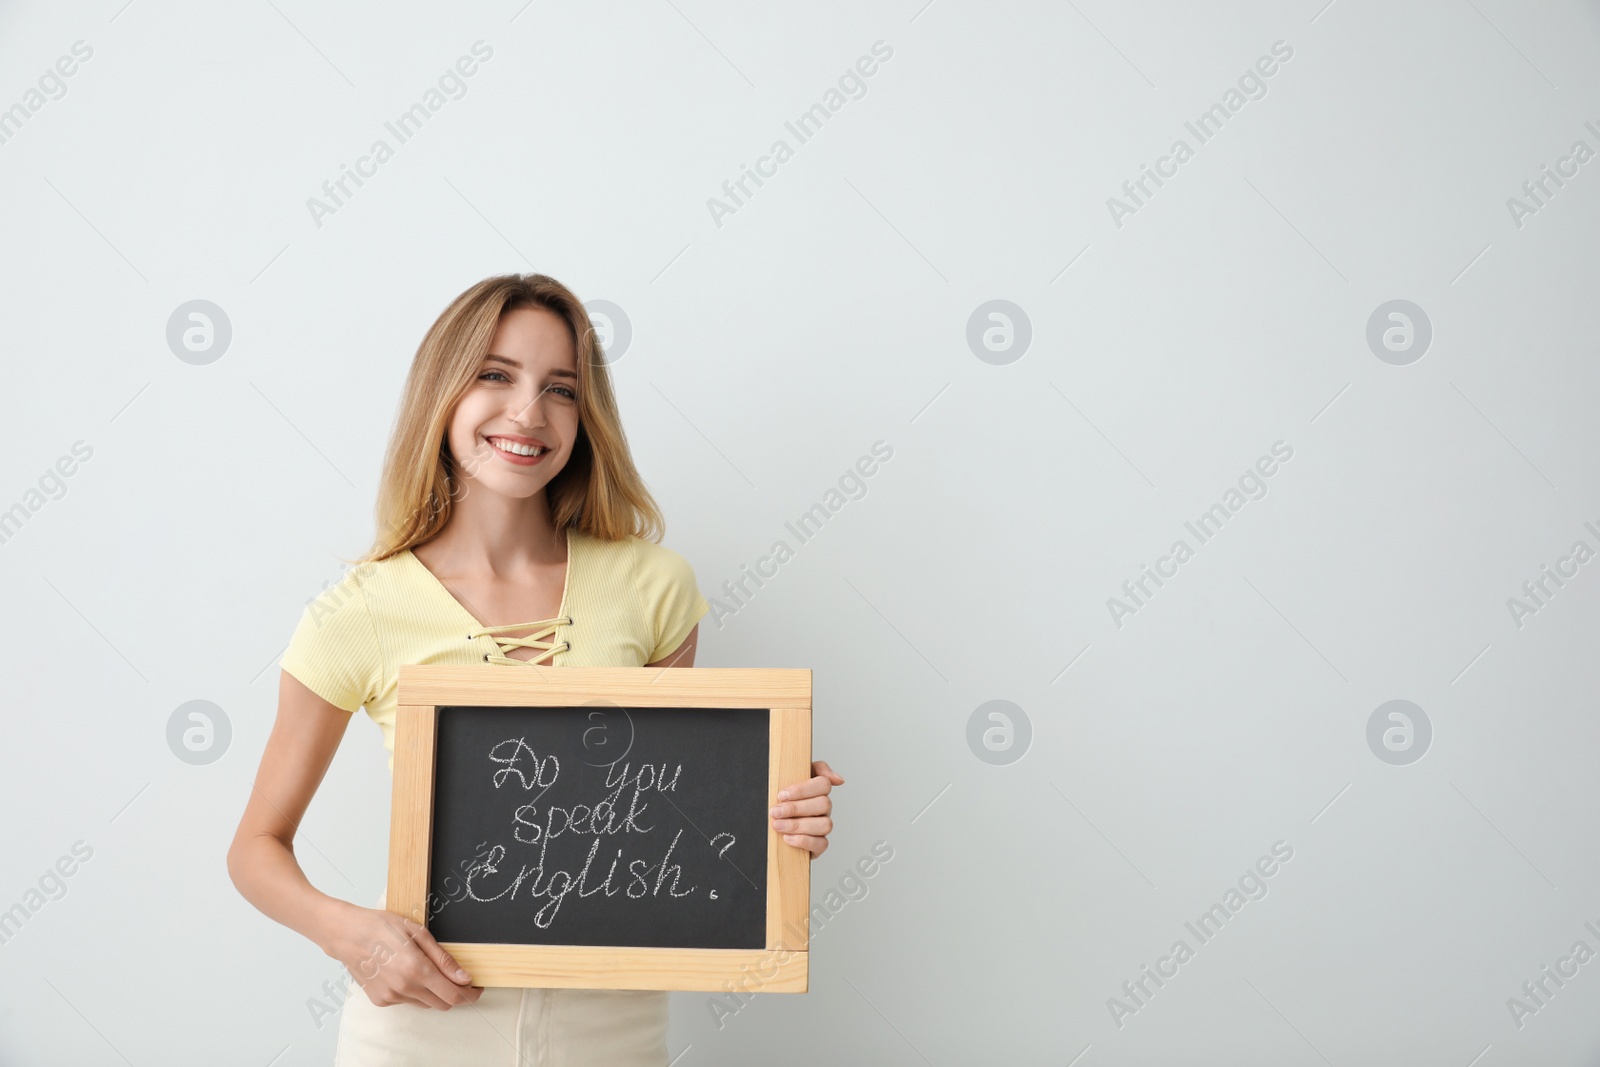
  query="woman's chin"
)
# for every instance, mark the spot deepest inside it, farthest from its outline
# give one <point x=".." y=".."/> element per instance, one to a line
<point x="512" y="485"/>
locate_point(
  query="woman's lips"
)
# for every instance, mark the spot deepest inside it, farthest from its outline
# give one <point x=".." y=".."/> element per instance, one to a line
<point x="512" y="457"/>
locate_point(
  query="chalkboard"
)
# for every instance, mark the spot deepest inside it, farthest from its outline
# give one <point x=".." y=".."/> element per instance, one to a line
<point x="600" y="825"/>
<point x="501" y="801"/>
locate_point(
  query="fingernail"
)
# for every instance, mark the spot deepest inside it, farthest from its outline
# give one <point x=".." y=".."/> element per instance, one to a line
<point x="783" y="794"/>
<point x="460" y="973"/>
<point x="775" y="811"/>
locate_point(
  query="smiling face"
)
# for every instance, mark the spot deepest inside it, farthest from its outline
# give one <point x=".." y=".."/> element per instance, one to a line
<point x="515" y="427"/>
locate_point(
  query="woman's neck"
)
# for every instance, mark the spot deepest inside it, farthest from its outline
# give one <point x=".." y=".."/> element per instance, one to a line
<point x="494" y="535"/>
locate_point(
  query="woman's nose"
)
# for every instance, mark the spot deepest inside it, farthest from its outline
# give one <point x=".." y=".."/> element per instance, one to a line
<point x="530" y="412"/>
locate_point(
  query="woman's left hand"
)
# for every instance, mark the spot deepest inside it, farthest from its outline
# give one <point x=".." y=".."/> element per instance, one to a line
<point x="803" y="811"/>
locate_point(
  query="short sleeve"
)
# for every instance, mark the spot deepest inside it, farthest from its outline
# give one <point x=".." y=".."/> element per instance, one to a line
<point x="672" y="597"/>
<point x="334" y="649"/>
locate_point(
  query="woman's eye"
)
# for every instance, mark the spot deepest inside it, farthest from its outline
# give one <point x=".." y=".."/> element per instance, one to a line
<point x="565" y="391"/>
<point x="485" y="375"/>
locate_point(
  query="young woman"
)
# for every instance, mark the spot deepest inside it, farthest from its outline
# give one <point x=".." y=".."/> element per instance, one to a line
<point x="508" y="494"/>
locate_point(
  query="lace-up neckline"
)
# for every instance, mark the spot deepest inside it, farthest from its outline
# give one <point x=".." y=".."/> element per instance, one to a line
<point x="546" y="628"/>
<point x="542" y="629"/>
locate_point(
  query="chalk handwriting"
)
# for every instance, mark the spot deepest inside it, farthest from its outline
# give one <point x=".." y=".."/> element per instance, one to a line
<point x="539" y="767"/>
<point x="620" y="811"/>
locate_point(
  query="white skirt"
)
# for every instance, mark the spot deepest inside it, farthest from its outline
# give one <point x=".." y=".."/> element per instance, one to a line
<point x="514" y="1027"/>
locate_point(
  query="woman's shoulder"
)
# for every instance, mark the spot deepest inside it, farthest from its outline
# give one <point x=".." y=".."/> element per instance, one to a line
<point x="653" y="570"/>
<point x="647" y="558"/>
<point x="334" y="649"/>
<point x="358" y="577"/>
<point x="366" y="598"/>
<point x="665" y="581"/>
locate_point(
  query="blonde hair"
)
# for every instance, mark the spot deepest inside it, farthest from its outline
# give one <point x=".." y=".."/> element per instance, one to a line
<point x="599" y="492"/>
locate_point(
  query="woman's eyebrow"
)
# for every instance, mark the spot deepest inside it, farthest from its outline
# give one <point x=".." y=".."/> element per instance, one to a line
<point x="557" y="373"/>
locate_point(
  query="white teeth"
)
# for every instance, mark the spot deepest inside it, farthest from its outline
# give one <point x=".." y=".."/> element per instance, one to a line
<point x="517" y="449"/>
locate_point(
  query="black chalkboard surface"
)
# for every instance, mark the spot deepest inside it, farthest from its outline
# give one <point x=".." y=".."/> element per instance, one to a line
<point x="600" y="825"/>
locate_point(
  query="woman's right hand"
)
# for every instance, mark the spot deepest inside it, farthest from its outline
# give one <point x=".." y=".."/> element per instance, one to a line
<point x="396" y="961"/>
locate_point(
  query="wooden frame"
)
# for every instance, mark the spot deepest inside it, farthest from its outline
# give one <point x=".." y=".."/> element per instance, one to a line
<point x="780" y="967"/>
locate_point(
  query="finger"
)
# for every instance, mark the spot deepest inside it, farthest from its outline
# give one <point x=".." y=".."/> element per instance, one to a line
<point x="422" y="996"/>
<point x="819" y="827"/>
<point x="447" y="988"/>
<point x="435" y="982"/>
<point x="820" y="767"/>
<point x="814" y="845"/>
<point x="456" y="995"/>
<point x="448" y="993"/>
<point x="809" y="806"/>
<point x="811" y="787"/>
<point x="445" y="962"/>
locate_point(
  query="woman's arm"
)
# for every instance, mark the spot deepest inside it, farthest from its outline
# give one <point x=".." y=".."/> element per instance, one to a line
<point x="261" y="861"/>
<point x="393" y="959"/>
<point x="805" y="816"/>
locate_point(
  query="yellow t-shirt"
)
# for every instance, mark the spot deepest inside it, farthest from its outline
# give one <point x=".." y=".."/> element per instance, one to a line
<point x="626" y="603"/>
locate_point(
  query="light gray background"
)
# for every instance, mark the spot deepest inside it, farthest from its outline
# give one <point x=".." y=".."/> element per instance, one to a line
<point x="768" y="354"/>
